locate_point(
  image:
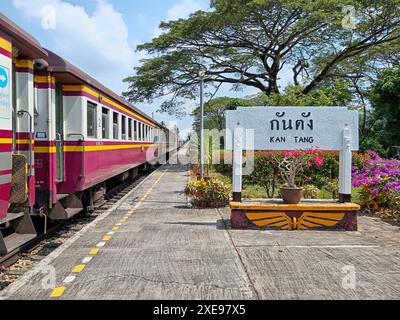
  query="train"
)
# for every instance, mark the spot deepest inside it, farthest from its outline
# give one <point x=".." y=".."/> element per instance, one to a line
<point x="63" y="137"/>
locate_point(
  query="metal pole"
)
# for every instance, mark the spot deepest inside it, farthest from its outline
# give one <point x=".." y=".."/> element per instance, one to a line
<point x="202" y="129"/>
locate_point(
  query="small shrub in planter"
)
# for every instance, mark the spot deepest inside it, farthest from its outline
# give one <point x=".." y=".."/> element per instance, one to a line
<point x="333" y="188"/>
<point x="311" y="192"/>
<point x="211" y="193"/>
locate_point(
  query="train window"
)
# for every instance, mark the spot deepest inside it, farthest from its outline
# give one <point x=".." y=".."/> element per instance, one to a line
<point x="115" y="126"/>
<point x="130" y="129"/>
<point x="135" y="130"/>
<point x="140" y="131"/>
<point x="123" y="127"/>
<point x="155" y="138"/>
<point x="105" y="124"/>
<point x="91" y="120"/>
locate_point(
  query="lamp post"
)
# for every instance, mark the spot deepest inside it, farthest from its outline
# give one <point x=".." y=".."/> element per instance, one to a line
<point x="202" y="75"/>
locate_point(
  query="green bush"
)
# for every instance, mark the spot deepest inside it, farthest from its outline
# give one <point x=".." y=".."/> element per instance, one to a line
<point x="392" y="211"/>
<point x="323" y="175"/>
<point x="209" y="193"/>
<point x="311" y="192"/>
<point x="225" y="165"/>
<point x="333" y="188"/>
<point x="372" y="143"/>
<point x="266" y="171"/>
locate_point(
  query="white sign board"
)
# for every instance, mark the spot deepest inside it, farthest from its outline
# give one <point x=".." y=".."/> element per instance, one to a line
<point x="5" y="96"/>
<point x="293" y="128"/>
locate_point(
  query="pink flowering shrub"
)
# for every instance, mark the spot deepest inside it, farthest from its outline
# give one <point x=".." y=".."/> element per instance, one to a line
<point x="378" y="179"/>
<point x="294" y="163"/>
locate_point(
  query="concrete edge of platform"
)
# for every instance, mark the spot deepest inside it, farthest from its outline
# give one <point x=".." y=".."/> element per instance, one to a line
<point x="42" y="265"/>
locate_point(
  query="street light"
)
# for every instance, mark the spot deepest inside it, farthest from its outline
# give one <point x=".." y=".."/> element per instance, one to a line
<point x="202" y="74"/>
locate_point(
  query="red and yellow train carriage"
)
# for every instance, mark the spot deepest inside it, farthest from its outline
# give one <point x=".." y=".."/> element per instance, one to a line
<point x="93" y="135"/>
<point x="62" y="136"/>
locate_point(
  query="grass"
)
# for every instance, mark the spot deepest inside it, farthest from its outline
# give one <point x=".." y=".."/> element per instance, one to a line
<point x="249" y="190"/>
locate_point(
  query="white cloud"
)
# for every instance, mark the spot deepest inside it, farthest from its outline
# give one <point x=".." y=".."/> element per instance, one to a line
<point x="96" y="42"/>
<point x="184" y="8"/>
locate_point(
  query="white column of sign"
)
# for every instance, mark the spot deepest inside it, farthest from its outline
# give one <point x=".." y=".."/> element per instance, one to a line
<point x="237" y="163"/>
<point x="345" y="163"/>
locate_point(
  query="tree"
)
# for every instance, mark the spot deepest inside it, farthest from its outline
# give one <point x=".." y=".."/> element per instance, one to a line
<point x="214" y="112"/>
<point x="251" y="42"/>
<point x="335" y="94"/>
<point x="385" y="98"/>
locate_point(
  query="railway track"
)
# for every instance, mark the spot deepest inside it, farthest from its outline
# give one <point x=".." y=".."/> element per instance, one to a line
<point x="25" y="257"/>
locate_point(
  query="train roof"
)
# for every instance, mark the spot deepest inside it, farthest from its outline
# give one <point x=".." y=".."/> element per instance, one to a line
<point x="68" y="73"/>
<point x="28" y="46"/>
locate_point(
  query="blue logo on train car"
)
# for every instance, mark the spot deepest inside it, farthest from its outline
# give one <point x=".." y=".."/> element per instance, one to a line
<point x="5" y="93"/>
<point x="3" y="77"/>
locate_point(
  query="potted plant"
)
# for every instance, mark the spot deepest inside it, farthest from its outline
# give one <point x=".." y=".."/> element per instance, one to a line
<point x="210" y="193"/>
<point x="291" y="166"/>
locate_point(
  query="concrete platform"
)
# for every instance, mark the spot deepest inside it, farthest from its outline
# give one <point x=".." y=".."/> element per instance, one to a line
<point x="165" y="250"/>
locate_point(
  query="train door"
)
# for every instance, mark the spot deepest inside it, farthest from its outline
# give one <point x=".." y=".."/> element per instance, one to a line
<point x="59" y="133"/>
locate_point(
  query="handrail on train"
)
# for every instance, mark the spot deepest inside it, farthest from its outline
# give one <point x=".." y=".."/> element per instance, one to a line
<point x="82" y="175"/>
<point x="20" y="114"/>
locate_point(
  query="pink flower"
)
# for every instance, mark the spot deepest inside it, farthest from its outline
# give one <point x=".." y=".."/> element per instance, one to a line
<point x="319" y="161"/>
<point x="374" y="192"/>
<point x="357" y="183"/>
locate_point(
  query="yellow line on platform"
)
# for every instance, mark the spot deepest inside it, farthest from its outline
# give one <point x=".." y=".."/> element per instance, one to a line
<point x="140" y="202"/>
<point x="94" y="251"/>
<point x="78" y="268"/>
<point x="57" y="292"/>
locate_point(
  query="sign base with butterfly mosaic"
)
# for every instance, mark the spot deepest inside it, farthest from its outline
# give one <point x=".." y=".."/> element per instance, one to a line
<point x="289" y="129"/>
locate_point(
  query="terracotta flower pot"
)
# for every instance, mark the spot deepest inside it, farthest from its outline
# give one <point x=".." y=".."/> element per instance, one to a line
<point x="291" y="195"/>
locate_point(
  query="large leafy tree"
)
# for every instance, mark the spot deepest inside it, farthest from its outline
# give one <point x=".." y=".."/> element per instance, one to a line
<point x="385" y="97"/>
<point x="252" y="42"/>
<point x="337" y="93"/>
<point x="214" y="112"/>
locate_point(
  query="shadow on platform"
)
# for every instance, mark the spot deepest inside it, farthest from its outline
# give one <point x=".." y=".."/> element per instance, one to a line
<point x="221" y="224"/>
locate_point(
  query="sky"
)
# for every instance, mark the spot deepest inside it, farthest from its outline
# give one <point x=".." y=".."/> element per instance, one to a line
<point x="100" y="37"/>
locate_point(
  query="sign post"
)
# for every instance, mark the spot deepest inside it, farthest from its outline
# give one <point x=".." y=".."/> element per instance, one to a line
<point x="345" y="164"/>
<point x="237" y="163"/>
<point x="294" y="128"/>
